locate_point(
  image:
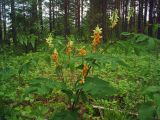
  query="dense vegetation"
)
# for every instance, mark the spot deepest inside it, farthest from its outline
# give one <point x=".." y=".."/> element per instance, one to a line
<point x="79" y="60"/>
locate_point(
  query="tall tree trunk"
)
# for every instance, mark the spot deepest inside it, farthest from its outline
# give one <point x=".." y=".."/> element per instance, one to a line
<point x="66" y="29"/>
<point x="118" y="7"/>
<point x="77" y="14"/>
<point x="34" y="22"/>
<point x="1" y="37"/>
<point x="40" y="15"/>
<point x="123" y="15"/>
<point x="158" y="19"/>
<point x="104" y="17"/>
<point x="126" y="14"/>
<point x="4" y="20"/>
<point x="50" y="15"/>
<point x="150" y="26"/>
<point x="53" y="14"/>
<point x="145" y="13"/>
<point x="24" y="16"/>
<point x="140" y="16"/>
<point x="82" y="10"/>
<point x="13" y="18"/>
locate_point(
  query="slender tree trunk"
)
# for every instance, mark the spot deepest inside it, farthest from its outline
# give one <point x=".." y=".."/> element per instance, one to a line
<point x="34" y="22"/>
<point x="118" y="7"/>
<point x="150" y="26"/>
<point x="131" y="23"/>
<point x="40" y="15"/>
<point x="82" y="10"/>
<point x="77" y="14"/>
<point x="104" y="17"/>
<point x="145" y="13"/>
<point x="4" y="20"/>
<point x="134" y="16"/>
<point x="24" y="15"/>
<point x="50" y="16"/>
<point x="140" y="16"/>
<point x="123" y="15"/>
<point x="53" y="14"/>
<point x="158" y="19"/>
<point x="13" y="18"/>
<point x="126" y="14"/>
<point x="66" y="2"/>
<point x="1" y="37"/>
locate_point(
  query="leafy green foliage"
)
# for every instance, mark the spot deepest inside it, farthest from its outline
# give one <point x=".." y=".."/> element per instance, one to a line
<point x="98" y="88"/>
<point x="41" y="86"/>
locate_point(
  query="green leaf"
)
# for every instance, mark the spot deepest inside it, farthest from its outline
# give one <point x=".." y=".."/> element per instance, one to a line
<point x="151" y="89"/>
<point x="98" y="88"/>
<point x="125" y="34"/>
<point x="68" y="92"/>
<point x="42" y="86"/>
<point x="66" y="115"/>
<point x="146" y="112"/>
<point x="47" y="59"/>
<point x="6" y="73"/>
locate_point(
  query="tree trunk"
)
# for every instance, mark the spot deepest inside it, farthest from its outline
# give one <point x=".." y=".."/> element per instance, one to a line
<point x="4" y="21"/>
<point x="123" y="15"/>
<point x="158" y="19"/>
<point x="126" y="14"/>
<point x="104" y="17"/>
<point x="34" y="23"/>
<point x="140" y="16"/>
<point x="145" y="13"/>
<point x="50" y="16"/>
<point x="150" y="26"/>
<point x="1" y="37"/>
<point x="77" y="15"/>
<point x="53" y="14"/>
<point x="66" y="30"/>
<point x="118" y="7"/>
<point x="82" y="10"/>
<point x="40" y="15"/>
<point x="13" y="18"/>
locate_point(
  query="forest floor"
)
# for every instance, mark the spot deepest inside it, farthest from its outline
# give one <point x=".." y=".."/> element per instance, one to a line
<point x="130" y="78"/>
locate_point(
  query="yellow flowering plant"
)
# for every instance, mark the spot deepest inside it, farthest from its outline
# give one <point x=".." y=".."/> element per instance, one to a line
<point x="114" y="18"/>
<point x="49" y="41"/>
<point x="75" y="84"/>
<point x="96" y="37"/>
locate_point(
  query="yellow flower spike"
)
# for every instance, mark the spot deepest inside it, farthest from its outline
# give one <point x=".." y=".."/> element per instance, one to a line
<point x="85" y="70"/>
<point x="97" y="30"/>
<point x="70" y="44"/>
<point x="82" y="52"/>
<point x="96" y="37"/>
<point x="55" y="56"/>
<point x="49" y="41"/>
<point x="82" y="81"/>
<point x="69" y="47"/>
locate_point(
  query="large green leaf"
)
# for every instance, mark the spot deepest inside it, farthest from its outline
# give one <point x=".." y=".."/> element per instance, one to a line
<point x="151" y="89"/>
<point x="103" y="59"/>
<point x="66" y="115"/>
<point x="98" y="88"/>
<point x="6" y="73"/>
<point x="146" y="112"/>
<point x="42" y="86"/>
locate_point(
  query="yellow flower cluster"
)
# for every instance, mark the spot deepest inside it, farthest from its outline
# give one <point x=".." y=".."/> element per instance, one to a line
<point x="69" y="47"/>
<point x="55" y="56"/>
<point x="114" y="18"/>
<point x="84" y="73"/>
<point x="49" y="41"/>
<point x="82" y="52"/>
<point x="96" y="37"/>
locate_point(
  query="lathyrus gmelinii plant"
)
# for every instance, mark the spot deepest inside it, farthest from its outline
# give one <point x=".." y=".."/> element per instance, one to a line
<point x="84" y="88"/>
